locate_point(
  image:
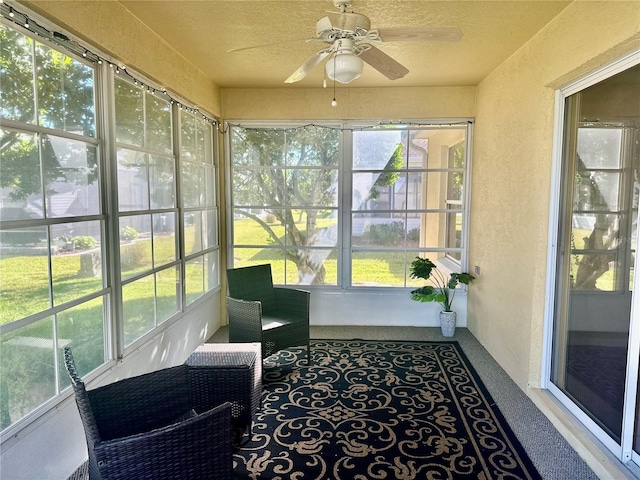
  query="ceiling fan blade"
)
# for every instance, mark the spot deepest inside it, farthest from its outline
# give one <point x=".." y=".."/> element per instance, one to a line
<point x="383" y="63"/>
<point x="274" y="44"/>
<point x="420" y="34"/>
<point x="307" y="66"/>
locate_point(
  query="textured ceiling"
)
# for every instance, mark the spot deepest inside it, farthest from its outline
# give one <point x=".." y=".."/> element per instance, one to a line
<point x="205" y="31"/>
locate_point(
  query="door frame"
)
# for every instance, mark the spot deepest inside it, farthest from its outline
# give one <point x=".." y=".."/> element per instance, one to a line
<point x="622" y="451"/>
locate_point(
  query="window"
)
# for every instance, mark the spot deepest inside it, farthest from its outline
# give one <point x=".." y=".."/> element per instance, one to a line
<point x="146" y="209"/>
<point x="57" y="240"/>
<point x="401" y="194"/>
<point x="200" y="219"/>
<point x="52" y="286"/>
<point x="285" y="202"/>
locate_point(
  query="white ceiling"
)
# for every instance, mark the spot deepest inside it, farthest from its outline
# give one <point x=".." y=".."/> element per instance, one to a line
<point x="203" y="32"/>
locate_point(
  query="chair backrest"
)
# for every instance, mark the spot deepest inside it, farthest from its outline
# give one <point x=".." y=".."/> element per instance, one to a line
<point x="253" y="283"/>
<point x="82" y="399"/>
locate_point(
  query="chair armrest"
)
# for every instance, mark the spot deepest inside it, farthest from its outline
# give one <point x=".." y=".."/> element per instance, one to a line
<point x="199" y="447"/>
<point x="245" y="320"/>
<point x="294" y="302"/>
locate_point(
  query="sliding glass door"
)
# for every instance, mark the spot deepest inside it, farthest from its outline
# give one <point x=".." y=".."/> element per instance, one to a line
<point x="592" y="363"/>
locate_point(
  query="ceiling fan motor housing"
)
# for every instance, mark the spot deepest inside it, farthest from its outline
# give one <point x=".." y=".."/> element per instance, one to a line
<point x="342" y="25"/>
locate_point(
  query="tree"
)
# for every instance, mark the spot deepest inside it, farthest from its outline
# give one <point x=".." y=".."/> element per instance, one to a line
<point x="61" y="105"/>
<point x="270" y="173"/>
<point x="284" y="172"/>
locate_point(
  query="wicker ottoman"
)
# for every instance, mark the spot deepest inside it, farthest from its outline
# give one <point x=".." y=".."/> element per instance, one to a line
<point x="237" y="369"/>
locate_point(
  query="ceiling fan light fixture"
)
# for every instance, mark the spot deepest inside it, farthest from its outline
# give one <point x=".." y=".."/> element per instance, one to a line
<point x="344" y="67"/>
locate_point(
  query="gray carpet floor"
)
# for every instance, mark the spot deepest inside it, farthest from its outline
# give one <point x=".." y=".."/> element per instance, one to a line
<point x="552" y="455"/>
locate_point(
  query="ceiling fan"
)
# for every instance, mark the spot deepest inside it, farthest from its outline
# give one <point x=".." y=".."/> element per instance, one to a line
<point x="351" y="40"/>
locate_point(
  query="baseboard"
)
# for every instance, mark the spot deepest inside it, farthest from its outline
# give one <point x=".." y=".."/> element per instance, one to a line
<point x="603" y="463"/>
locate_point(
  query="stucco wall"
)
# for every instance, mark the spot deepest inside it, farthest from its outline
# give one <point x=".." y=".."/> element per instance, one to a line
<point x="512" y="175"/>
<point x="122" y="36"/>
<point x="353" y="103"/>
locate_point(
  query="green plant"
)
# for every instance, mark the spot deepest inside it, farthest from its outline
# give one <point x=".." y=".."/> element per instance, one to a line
<point x="387" y="234"/>
<point x="84" y="242"/>
<point x="443" y="291"/>
<point x="128" y="233"/>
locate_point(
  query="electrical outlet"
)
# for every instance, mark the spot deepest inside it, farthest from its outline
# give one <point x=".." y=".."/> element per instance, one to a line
<point x="477" y="269"/>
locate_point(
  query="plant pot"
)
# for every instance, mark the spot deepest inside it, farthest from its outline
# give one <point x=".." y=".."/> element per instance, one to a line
<point x="448" y="323"/>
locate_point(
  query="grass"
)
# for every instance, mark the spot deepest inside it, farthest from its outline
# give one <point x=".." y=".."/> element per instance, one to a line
<point x="25" y="286"/>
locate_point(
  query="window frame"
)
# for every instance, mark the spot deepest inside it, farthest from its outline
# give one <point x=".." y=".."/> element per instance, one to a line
<point x="104" y="74"/>
<point x="344" y="209"/>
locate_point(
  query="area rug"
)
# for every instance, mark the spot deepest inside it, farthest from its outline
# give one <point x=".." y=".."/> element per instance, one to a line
<point x="379" y="410"/>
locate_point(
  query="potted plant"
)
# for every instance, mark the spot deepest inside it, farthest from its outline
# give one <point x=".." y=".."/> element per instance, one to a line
<point x="443" y="292"/>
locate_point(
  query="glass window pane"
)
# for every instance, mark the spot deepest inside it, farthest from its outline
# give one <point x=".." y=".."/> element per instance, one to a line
<point x="312" y="228"/>
<point x="192" y="185"/>
<point x="164" y="238"/>
<point x="378" y="230"/>
<point x="24" y="273"/>
<point x="312" y="266"/>
<point x="380" y="191"/>
<point x="316" y="188"/>
<point x="597" y="190"/>
<point x="212" y="265"/>
<point x="135" y="245"/>
<point x="167" y="293"/>
<point x="162" y="173"/>
<point x="599" y="148"/>
<point x="82" y="327"/>
<point x="378" y="150"/>
<point x="17" y="99"/>
<point x="436" y="190"/>
<point x="158" y="123"/>
<point x="210" y="187"/>
<point x="375" y="269"/>
<point x="138" y="308"/>
<point x="188" y="137"/>
<point x="129" y="113"/>
<point x="65" y="92"/>
<point x="76" y="260"/>
<point x="192" y="232"/>
<point x="210" y="228"/>
<point x="133" y="185"/>
<point x="28" y="375"/>
<point x="317" y="147"/>
<point x="71" y="171"/>
<point x="20" y="178"/>
<point x="454" y="234"/>
<point x="257" y="147"/>
<point x="204" y="143"/>
<point x="194" y="278"/>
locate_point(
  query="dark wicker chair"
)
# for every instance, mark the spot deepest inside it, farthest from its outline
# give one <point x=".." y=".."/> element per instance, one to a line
<point x="148" y="427"/>
<point x="277" y="317"/>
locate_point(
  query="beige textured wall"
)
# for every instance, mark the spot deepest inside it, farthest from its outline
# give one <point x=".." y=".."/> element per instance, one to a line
<point x="125" y="39"/>
<point x="512" y="166"/>
<point x="353" y="103"/>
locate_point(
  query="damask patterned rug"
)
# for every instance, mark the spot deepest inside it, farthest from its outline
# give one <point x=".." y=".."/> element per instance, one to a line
<point x="379" y="410"/>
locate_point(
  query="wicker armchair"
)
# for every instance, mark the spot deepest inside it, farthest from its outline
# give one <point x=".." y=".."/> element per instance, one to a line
<point x="276" y="317"/>
<point x="146" y="427"/>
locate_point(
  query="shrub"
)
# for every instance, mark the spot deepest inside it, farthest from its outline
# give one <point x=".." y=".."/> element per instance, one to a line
<point x="132" y="256"/>
<point x="84" y="242"/>
<point x="128" y="233"/>
<point x="270" y="218"/>
<point x="413" y="235"/>
<point x="387" y="234"/>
